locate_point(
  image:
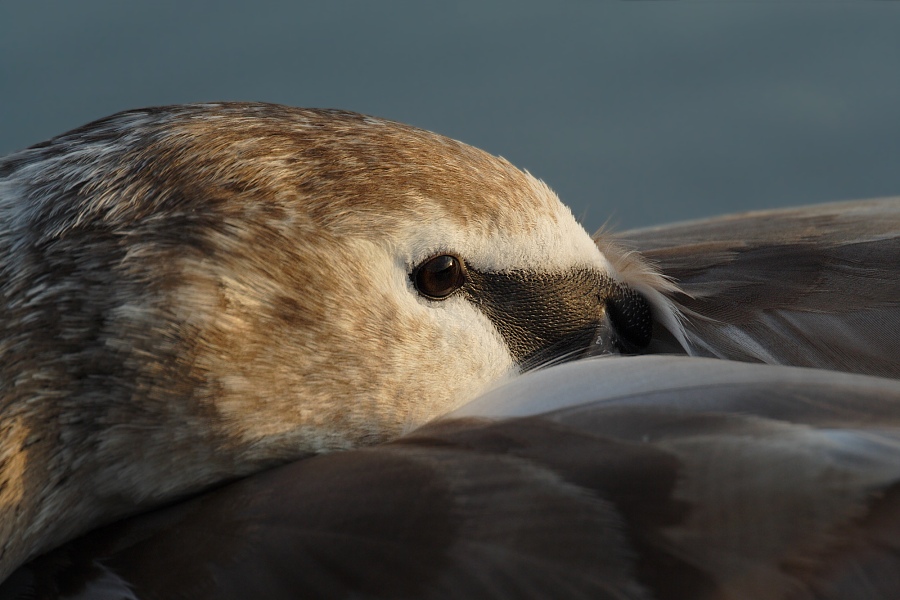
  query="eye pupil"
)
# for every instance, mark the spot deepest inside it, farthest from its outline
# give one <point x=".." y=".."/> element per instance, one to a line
<point x="439" y="277"/>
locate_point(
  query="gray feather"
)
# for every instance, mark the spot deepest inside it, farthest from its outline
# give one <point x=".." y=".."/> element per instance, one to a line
<point x="815" y="286"/>
<point x="758" y="482"/>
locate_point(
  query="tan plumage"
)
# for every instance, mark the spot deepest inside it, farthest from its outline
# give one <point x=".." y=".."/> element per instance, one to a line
<point x="643" y="477"/>
<point x="195" y="293"/>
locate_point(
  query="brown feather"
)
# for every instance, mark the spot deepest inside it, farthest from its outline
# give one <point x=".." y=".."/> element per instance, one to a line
<point x="740" y="490"/>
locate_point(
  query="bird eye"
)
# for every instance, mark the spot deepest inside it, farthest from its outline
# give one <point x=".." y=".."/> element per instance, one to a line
<point x="438" y="277"/>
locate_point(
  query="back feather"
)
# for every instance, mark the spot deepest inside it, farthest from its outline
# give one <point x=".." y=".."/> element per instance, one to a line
<point x="758" y="483"/>
<point x="813" y="286"/>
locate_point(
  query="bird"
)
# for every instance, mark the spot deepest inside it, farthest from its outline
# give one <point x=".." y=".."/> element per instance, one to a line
<point x="259" y="351"/>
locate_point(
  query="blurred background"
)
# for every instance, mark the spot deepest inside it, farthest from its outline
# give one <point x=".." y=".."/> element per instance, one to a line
<point x="635" y="112"/>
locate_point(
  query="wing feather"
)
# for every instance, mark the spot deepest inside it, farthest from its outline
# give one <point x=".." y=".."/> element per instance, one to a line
<point x="749" y="482"/>
<point x="814" y="286"/>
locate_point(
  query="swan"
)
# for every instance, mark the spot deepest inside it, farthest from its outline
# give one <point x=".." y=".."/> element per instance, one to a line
<point x="323" y="354"/>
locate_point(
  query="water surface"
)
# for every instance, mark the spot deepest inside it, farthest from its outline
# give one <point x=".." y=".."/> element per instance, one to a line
<point x="638" y="112"/>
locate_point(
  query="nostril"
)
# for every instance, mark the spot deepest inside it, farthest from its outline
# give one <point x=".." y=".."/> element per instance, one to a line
<point x="629" y="314"/>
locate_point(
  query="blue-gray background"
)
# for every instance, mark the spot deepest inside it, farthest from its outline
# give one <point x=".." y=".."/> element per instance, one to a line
<point x="637" y="112"/>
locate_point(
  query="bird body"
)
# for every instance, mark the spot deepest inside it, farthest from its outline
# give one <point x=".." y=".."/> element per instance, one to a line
<point x="195" y="293"/>
<point x="634" y="477"/>
<point x="203" y="293"/>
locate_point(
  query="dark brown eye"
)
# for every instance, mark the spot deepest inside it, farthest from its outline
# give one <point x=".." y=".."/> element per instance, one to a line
<point x="439" y="277"/>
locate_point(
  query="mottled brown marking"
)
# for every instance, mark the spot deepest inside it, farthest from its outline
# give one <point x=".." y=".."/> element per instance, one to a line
<point x="193" y="293"/>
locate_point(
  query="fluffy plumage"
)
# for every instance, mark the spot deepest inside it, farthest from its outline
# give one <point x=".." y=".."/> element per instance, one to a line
<point x="194" y="293"/>
<point x="229" y="286"/>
